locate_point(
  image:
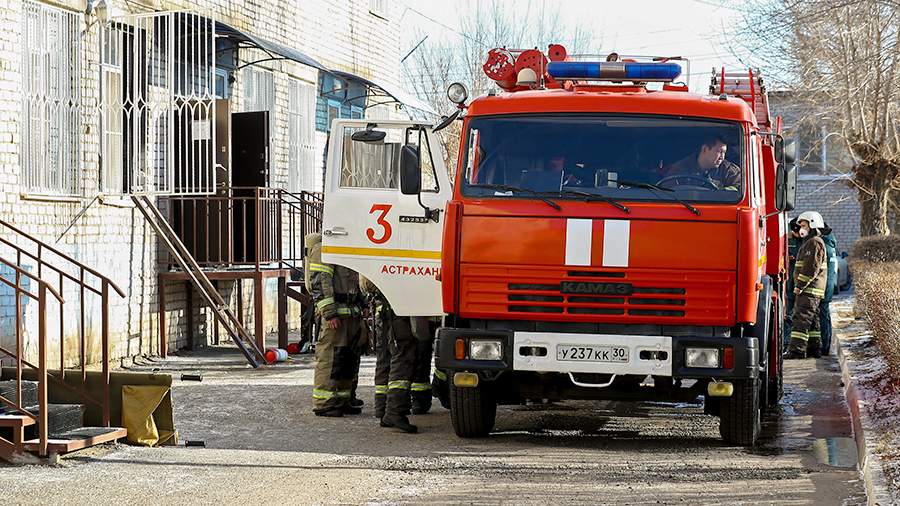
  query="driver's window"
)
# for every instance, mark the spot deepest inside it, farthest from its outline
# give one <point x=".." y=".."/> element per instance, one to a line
<point x="373" y="165"/>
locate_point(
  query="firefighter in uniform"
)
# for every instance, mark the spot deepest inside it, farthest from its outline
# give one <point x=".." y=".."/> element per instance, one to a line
<point x="421" y="381"/>
<point x="810" y="277"/>
<point x="343" y="334"/>
<point x="395" y="362"/>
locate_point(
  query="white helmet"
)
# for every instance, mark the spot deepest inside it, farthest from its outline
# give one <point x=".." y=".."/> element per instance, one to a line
<point x="815" y="219"/>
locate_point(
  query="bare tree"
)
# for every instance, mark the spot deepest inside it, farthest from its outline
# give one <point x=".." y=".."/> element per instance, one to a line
<point x="440" y="61"/>
<point x="842" y="58"/>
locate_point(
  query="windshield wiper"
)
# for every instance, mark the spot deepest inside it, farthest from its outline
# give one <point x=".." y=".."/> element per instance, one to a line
<point x="593" y="196"/>
<point x="654" y="188"/>
<point x="515" y="189"/>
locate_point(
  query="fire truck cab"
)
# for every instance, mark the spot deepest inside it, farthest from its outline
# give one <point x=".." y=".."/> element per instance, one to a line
<point x="608" y="235"/>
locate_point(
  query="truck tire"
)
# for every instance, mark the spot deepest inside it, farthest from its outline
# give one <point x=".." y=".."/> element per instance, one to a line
<point x="739" y="418"/>
<point x="472" y="412"/>
<point x="776" y="384"/>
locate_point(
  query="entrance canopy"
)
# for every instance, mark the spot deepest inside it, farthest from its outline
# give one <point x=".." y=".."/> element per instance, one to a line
<point x="274" y="50"/>
<point x="385" y="93"/>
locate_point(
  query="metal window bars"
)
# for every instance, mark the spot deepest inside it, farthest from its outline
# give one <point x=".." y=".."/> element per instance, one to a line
<point x="158" y="117"/>
<point x="51" y="100"/>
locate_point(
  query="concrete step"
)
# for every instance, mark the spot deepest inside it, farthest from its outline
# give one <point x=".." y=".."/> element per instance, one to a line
<point x="60" y="418"/>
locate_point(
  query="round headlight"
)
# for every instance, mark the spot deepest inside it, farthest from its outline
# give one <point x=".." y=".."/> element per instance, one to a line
<point x="457" y="93"/>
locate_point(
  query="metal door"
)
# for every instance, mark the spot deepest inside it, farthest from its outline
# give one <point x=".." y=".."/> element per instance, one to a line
<point x="370" y="227"/>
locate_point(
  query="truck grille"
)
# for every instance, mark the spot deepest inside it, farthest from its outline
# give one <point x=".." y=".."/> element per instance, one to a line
<point x="585" y="304"/>
<point x="701" y="296"/>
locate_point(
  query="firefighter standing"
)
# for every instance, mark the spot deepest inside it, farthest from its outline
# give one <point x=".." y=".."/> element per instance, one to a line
<point x="335" y="290"/>
<point x="825" y="306"/>
<point x="395" y="362"/>
<point x="792" y="245"/>
<point x="810" y="277"/>
<point x="421" y="381"/>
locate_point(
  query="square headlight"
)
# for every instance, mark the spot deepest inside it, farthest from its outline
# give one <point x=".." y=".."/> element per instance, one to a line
<point x="702" y="357"/>
<point x="483" y="349"/>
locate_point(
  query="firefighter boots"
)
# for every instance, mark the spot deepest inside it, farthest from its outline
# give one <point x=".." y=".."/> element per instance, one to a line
<point x="399" y="422"/>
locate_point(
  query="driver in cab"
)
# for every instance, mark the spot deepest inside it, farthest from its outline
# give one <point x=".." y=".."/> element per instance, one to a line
<point x="709" y="164"/>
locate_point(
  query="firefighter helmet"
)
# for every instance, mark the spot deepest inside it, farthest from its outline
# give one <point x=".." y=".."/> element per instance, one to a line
<point x="815" y="219"/>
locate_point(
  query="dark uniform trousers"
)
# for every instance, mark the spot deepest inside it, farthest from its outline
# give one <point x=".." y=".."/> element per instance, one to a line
<point x="402" y="344"/>
<point x="421" y="380"/>
<point x="382" y="357"/>
<point x="337" y="362"/>
<point x="805" y="334"/>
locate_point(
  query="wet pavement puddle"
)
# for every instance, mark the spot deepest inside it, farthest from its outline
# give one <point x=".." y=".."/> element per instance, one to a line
<point x="836" y="452"/>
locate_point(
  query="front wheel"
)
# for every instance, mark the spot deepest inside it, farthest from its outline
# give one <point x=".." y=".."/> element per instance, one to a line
<point x="472" y="411"/>
<point x="740" y="417"/>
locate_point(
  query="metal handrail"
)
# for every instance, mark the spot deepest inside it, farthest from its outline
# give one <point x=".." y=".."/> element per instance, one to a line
<point x="41" y="298"/>
<point x="83" y="285"/>
<point x="44" y="246"/>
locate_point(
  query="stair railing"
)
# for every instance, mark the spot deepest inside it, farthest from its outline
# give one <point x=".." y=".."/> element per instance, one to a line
<point x="41" y="297"/>
<point x="303" y="215"/>
<point x="65" y="270"/>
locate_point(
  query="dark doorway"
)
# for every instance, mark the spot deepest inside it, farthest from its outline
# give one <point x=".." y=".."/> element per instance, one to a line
<point x="249" y="171"/>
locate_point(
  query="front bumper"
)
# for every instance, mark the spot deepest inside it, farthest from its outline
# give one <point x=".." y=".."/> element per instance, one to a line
<point x="643" y="352"/>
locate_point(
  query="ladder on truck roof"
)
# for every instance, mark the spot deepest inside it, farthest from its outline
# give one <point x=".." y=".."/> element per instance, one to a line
<point x="747" y="85"/>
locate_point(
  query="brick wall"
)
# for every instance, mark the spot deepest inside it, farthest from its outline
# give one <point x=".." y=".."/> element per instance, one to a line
<point x="836" y="200"/>
<point x="111" y="235"/>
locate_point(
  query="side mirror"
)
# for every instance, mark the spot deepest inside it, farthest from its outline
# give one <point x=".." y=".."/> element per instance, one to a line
<point x="410" y="172"/>
<point x="790" y="153"/>
<point x="785" y="153"/>
<point x="369" y="136"/>
<point x="780" y="187"/>
<point x="790" y="188"/>
<point x="785" y="187"/>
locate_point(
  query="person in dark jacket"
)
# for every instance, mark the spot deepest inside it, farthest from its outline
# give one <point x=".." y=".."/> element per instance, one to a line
<point x="793" y="245"/>
<point x="830" y="287"/>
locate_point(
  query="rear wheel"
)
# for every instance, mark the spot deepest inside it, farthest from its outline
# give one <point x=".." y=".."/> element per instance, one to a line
<point x="472" y="411"/>
<point x="740" y="416"/>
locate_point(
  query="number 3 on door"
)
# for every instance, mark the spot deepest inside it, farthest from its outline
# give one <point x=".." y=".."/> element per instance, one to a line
<point x="380" y="220"/>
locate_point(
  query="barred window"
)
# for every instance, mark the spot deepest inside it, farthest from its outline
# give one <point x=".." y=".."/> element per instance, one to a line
<point x="51" y="100"/>
<point x="302" y="136"/>
<point x="112" y="111"/>
<point x="259" y="94"/>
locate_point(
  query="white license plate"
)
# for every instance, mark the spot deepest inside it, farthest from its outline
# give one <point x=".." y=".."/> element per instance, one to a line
<point x="576" y="353"/>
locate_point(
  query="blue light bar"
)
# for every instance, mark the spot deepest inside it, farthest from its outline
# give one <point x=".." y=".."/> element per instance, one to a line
<point x="614" y="71"/>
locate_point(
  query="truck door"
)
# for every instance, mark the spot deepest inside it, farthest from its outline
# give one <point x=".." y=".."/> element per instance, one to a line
<point x="370" y="226"/>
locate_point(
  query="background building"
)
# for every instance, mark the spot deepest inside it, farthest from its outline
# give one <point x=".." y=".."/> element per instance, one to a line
<point x="102" y="100"/>
<point x="824" y="182"/>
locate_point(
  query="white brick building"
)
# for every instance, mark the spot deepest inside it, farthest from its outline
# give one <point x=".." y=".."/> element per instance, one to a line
<point x="85" y="119"/>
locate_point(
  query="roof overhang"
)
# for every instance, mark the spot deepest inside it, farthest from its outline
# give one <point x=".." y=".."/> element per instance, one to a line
<point x="378" y="89"/>
<point x="274" y="50"/>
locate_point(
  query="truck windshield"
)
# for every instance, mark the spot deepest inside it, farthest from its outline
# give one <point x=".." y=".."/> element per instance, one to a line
<point x="619" y="157"/>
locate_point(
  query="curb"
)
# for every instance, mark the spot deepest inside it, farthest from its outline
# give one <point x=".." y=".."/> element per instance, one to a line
<point x="870" y="471"/>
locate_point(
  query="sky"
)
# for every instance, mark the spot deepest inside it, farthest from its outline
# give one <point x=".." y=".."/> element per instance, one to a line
<point x="695" y="29"/>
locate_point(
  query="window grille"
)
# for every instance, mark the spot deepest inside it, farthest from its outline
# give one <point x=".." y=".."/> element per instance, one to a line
<point x="259" y="94"/>
<point x="302" y="133"/>
<point x="157" y="79"/>
<point x="50" y="153"/>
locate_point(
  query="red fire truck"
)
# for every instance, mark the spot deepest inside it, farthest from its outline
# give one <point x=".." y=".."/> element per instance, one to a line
<point x="608" y="235"/>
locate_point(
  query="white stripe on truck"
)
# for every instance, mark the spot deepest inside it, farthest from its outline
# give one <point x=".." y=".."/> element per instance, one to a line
<point x="578" y="241"/>
<point x="616" y="234"/>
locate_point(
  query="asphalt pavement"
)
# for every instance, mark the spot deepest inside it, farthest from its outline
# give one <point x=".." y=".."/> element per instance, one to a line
<point x="264" y="446"/>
